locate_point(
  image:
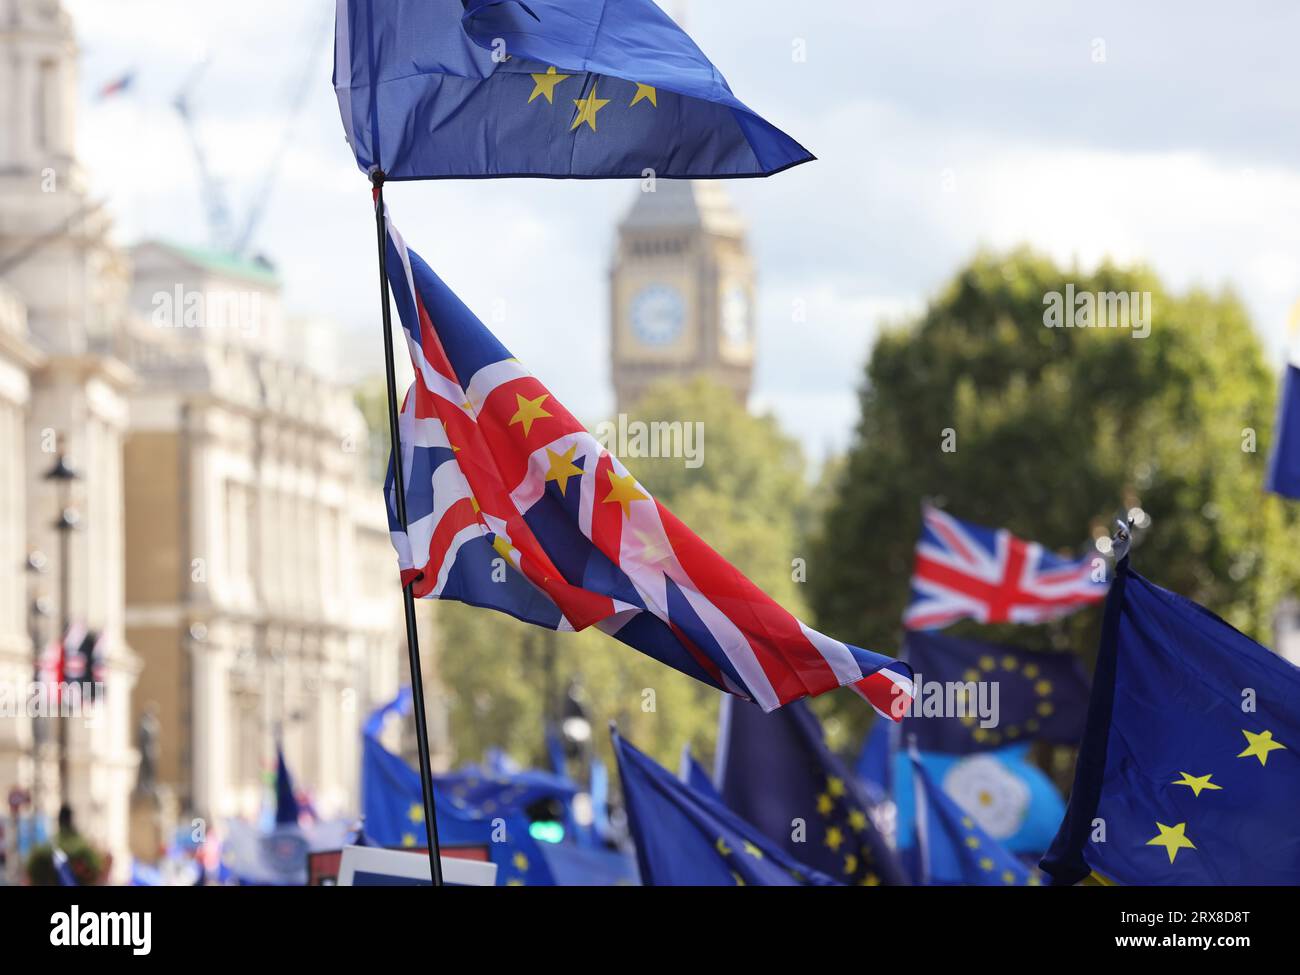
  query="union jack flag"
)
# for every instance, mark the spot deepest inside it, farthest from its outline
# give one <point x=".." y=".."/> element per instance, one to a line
<point x="965" y="571"/>
<point x="512" y="505"/>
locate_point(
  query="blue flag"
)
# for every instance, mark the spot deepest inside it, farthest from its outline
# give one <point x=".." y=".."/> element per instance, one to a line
<point x="1189" y="772"/>
<point x="286" y="803"/>
<point x="436" y="89"/>
<point x="1010" y="798"/>
<point x="1039" y="696"/>
<point x="952" y="849"/>
<point x="1284" y="461"/>
<point x="684" y="838"/>
<point x="775" y="771"/>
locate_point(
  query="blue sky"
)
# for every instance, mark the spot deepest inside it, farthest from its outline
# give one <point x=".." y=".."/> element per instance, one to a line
<point x="940" y="127"/>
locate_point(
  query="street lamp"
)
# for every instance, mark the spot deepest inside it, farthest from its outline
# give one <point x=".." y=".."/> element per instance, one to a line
<point x="62" y="474"/>
<point x="39" y="609"/>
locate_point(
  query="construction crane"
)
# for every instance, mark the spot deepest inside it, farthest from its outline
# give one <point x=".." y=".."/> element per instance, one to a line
<point x="223" y="233"/>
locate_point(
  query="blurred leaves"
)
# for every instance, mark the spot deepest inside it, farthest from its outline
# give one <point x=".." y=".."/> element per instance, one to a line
<point x="1058" y="430"/>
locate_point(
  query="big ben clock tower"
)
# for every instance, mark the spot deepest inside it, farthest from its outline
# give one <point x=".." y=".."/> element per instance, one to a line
<point x="681" y="292"/>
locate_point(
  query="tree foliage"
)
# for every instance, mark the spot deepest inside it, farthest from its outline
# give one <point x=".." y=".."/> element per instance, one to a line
<point x="1056" y="431"/>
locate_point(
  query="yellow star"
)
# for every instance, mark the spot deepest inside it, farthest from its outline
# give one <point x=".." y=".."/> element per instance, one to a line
<point x="1260" y="745"/>
<point x="645" y="93"/>
<point x="973" y="842"/>
<point x="753" y="851"/>
<point x="722" y="847"/>
<point x="408" y="839"/>
<point x="587" y="109"/>
<point x="1172" y="838"/>
<point x="1043" y="688"/>
<point x="835" y="786"/>
<point x="858" y="820"/>
<point x="1197" y="782"/>
<point x="624" y="491"/>
<point x="825" y="804"/>
<point x="520" y="862"/>
<point x="740" y="881"/>
<point x="562" y="467"/>
<point x="870" y="880"/>
<point x="416" y="813"/>
<point x="529" y="411"/>
<point x="986" y="863"/>
<point x="834" y="837"/>
<point x="1008" y="877"/>
<point x="1034" y="880"/>
<point x="545" y="84"/>
<point x="851" y="864"/>
<point x="515" y="882"/>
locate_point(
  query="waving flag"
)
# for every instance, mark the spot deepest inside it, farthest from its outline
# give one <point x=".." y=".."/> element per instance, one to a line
<point x="436" y="89"/>
<point x="513" y="505"/>
<point x="1191" y="756"/>
<point x="1284" y="460"/>
<point x="776" y="769"/>
<point x="1041" y="696"/>
<point x="952" y="848"/>
<point x="965" y="571"/>
<point x="684" y="838"/>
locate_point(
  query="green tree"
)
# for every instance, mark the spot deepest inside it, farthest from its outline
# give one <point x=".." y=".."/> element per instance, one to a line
<point x="1056" y="430"/>
<point x="746" y="499"/>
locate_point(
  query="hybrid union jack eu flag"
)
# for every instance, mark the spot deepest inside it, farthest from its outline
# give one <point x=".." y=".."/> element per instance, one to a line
<point x="514" y="506"/>
<point x="965" y="571"/>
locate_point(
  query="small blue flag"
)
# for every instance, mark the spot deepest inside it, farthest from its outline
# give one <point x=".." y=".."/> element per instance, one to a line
<point x="1189" y="772"/>
<point x="686" y="839"/>
<point x="286" y="803"/>
<point x="977" y="696"/>
<point x="1284" y="460"/>
<point x="775" y="771"/>
<point x="952" y="849"/>
<point x="63" y="869"/>
<point x="436" y="89"/>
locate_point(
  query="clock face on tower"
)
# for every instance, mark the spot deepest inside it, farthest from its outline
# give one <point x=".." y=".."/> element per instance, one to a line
<point x="658" y="314"/>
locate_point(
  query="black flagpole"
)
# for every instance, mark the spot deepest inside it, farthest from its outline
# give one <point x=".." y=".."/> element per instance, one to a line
<point x="408" y="598"/>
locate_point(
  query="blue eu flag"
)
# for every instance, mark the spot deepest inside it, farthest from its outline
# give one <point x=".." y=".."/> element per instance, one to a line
<point x="436" y="89"/>
<point x="952" y="848"/>
<point x="1284" y="460"/>
<point x="1040" y="696"/>
<point x="684" y="838"/>
<point x="1189" y="772"/>
<point x="776" y="772"/>
<point x="472" y="810"/>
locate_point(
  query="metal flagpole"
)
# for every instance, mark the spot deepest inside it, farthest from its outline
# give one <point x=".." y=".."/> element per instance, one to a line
<point x="408" y="598"/>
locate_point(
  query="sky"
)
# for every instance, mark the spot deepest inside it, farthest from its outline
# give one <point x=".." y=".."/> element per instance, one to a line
<point x="1163" y="133"/>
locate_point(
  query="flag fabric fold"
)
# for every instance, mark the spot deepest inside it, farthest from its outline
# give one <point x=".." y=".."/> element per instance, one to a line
<point x="966" y="571"/>
<point x="684" y="838"/>
<point x="513" y="505"/>
<point x="437" y="89"/>
<point x="1189" y="772"/>
<point x="776" y="769"/>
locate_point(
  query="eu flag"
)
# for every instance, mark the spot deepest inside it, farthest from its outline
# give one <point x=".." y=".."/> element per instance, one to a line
<point x="1189" y="771"/>
<point x="952" y="848"/>
<point x="437" y="89"/>
<point x="686" y="839"/>
<point x="776" y="772"/>
<point x="1039" y="696"/>
<point x="471" y="811"/>
<point x="1284" y="461"/>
